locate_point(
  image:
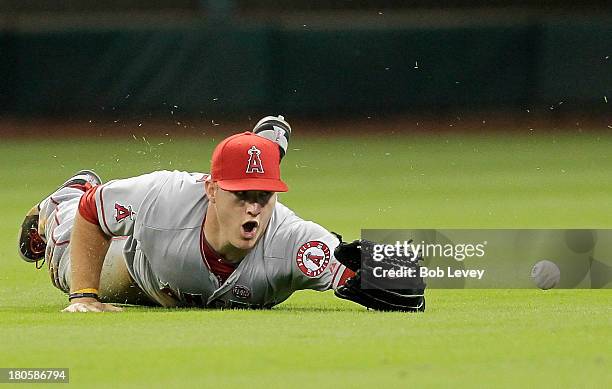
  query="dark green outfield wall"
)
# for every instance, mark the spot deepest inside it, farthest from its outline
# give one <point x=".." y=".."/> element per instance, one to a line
<point x="93" y="71"/>
<point x="406" y="69"/>
<point x="265" y="68"/>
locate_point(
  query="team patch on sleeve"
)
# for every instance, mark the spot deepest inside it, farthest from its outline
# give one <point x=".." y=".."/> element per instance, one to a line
<point x="312" y="258"/>
<point x="122" y="212"/>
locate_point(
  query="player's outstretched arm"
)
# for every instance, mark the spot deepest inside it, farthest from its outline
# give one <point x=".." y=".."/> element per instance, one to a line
<point x="88" y="247"/>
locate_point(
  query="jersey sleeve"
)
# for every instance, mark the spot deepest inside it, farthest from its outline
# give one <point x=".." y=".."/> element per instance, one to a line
<point x="312" y="258"/>
<point x="116" y="205"/>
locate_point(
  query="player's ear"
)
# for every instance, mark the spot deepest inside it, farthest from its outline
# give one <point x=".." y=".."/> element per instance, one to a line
<point x="211" y="190"/>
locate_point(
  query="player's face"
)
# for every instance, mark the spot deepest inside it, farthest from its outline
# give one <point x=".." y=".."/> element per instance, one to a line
<point x="243" y="216"/>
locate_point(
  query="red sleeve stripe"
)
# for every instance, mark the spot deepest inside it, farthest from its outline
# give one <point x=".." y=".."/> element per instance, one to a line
<point x="55" y="242"/>
<point x="53" y="200"/>
<point x="105" y="226"/>
<point x="87" y="206"/>
<point x="335" y="271"/>
<point x="346" y="274"/>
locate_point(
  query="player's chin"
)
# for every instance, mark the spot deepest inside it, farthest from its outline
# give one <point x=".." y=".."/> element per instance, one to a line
<point x="245" y="244"/>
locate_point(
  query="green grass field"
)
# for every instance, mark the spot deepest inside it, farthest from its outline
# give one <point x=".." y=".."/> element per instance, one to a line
<point x="485" y="338"/>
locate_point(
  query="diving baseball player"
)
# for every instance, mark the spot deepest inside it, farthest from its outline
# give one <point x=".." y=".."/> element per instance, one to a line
<point x="177" y="239"/>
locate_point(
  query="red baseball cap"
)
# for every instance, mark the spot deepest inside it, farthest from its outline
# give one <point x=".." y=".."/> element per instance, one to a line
<point x="247" y="162"/>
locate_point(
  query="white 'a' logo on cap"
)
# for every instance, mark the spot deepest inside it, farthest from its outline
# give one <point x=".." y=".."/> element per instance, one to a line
<point x="254" y="165"/>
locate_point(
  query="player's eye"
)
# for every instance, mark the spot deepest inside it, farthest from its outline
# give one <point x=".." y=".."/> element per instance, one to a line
<point x="254" y="196"/>
<point x="264" y="197"/>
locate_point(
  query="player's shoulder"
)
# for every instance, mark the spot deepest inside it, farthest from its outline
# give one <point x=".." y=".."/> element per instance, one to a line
<point x="175" y="174"/>
<point x="157" y="180"/>
<point x="179" y="201"/>
<point x="149" y="179"/>
<point x="288" y="227"/>
<point x="183" y="177"/>
<point x="171" y="179"/>
<point x="179" y="175"/>
<point x="179" y="184"/>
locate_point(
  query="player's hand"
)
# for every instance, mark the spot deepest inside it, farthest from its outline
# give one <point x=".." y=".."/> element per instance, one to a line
<point x="90" y="306"/>
<point x="379" y="294"/>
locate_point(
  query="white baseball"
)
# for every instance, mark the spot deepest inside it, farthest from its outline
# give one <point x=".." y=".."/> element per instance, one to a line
<point x="545" y="274"/>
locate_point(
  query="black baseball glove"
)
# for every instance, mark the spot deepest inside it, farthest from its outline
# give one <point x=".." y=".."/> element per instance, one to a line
<point x="366" y="287"/>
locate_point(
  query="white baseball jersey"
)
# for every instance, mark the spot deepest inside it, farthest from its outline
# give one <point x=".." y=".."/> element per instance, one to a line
<point x="162" y="214"/>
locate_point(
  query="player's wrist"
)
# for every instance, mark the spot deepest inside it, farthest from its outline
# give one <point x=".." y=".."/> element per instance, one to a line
<point x="84" y="295"/>
<point x="84" y="300"/>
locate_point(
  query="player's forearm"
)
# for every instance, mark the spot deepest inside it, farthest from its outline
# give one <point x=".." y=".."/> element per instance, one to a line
<point x="88" y="247"/>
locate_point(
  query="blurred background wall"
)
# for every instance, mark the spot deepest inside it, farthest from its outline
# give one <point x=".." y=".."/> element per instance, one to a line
<point x="86" y="57"/>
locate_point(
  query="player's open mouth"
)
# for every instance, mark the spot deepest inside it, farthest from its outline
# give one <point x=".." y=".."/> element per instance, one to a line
<point x="249" y="229"/>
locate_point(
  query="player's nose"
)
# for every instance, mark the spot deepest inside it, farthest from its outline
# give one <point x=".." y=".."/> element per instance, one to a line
<point x="254" y="208"/>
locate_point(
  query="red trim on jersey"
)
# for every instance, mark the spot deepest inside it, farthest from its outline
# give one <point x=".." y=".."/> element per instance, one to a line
<point x="335" y="267"/>
<point x="57" y="223"/>
<point x="59" y="243"/>
<point x="83" y="187"/>
<point x="215" y="262"/>
<point x="87" y="206"/>
<point x="348" y="273"/>
<point x="104" y="213"/>
<point x="218" y="265"/>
